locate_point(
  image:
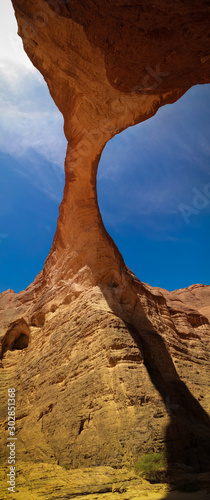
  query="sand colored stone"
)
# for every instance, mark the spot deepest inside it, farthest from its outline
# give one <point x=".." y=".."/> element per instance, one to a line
<point x="114" y="368"/>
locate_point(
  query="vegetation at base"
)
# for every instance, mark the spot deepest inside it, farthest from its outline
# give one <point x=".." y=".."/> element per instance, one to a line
<point x="65" y="466"/>
<point x="152" y="467"/>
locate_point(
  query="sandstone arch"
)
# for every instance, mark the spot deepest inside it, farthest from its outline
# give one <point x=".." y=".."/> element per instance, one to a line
<point x="88" y="296"/>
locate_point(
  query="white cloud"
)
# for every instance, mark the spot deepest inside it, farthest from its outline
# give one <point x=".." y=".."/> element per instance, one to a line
<point x="148" y="169"/>
<point x="11" y="46"/>
<point x="31" y="127"/>
<point x="29" y="120"/>
<point x="204" y="146"/>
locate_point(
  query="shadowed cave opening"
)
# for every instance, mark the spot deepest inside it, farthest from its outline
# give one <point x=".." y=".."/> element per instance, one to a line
<point x="20" y="343"/>
<point x="16" y="338"/>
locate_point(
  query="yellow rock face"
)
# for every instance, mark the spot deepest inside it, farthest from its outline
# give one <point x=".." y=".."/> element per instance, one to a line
<point x="105" y="368"/>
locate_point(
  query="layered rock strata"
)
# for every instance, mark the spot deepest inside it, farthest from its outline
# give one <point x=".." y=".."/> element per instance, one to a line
<point x="106" y="367"/>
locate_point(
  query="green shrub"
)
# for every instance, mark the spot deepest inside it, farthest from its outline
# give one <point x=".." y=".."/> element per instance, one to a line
<point x="152" y="467"/>
<point x="65" y="466"/>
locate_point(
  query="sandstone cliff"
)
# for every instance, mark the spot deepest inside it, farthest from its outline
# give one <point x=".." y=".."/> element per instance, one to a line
<point x="106" y="367"/>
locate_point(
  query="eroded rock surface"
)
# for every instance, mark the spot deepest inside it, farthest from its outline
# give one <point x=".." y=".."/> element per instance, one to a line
<point x="114" y="368"/>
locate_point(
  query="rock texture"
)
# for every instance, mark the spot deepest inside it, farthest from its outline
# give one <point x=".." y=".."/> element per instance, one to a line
<point x="46" y="481"/>
<point x="105" y="367"/>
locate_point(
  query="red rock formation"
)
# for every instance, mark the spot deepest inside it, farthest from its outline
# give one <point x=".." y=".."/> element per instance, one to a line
<point x="99" y="367"/>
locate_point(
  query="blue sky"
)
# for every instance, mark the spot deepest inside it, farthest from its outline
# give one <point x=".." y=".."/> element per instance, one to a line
<point x="153" y="180"/>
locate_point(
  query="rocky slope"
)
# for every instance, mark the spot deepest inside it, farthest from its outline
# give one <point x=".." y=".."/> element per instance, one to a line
<point x="105" y="367"/>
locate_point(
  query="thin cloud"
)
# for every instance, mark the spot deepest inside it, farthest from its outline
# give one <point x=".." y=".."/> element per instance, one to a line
<point x="159" y="164"/>
<point x="29" y="123"/>
<point x="11" y="45"/>
<point x="31" y="128"/>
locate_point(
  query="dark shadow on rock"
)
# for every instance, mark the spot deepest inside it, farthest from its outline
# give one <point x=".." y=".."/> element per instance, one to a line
<point x="187" y="437"/>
